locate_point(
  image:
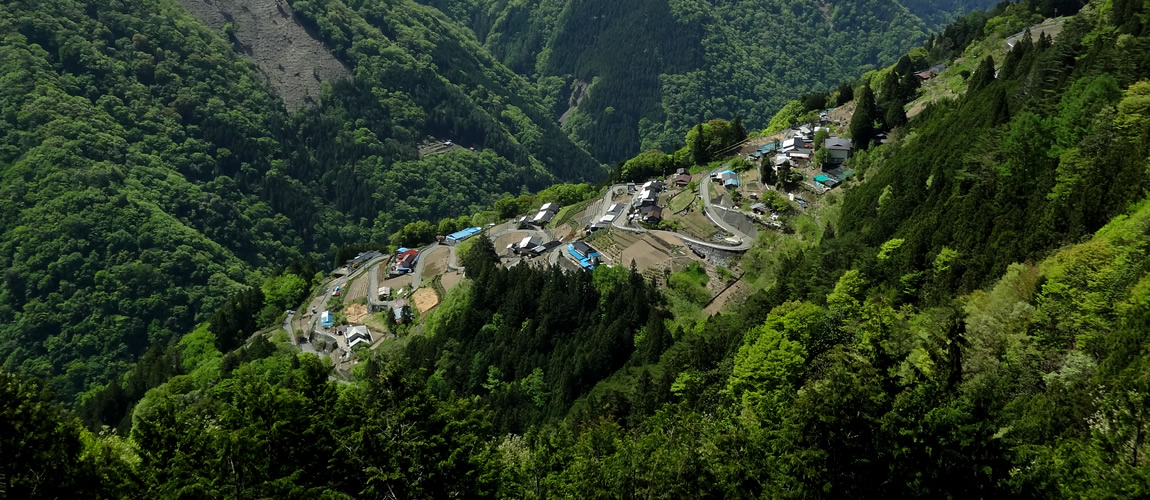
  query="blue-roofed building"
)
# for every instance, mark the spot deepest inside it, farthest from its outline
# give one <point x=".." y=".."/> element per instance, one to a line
<point x="767" y="148"/>
<point x="461" y="235"/>
<point x="730" y="179"/>
<point x="326" y="320"/>
<point x="587" y="256"/>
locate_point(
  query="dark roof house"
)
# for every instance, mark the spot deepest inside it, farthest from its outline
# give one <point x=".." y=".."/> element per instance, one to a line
<point x="652" y="214"/>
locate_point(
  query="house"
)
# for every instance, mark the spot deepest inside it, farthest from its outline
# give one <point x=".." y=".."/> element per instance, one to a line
<point x="932" y="72"/>
<point x="682" y="180"/>
<point x="542" y="218"/>
<point x="528" y="244"/>
<point x="384" y="292"/>
<point x="615" y="210"/>
<point x="597" y="226"/>
<point x="405" y="260"/>
<point x="459" y="236"/>
<point x="645" y="198"/>
<point x="550" y="207"/>
<point x="363" y="257"/>
<point x="326" y="319"/>
<point x="796" y="145"/>
<point x="652" y="214"/>
<point x="357" y="335"/>
<point x="767" y="149"/>
<point x="397" y="310"/>
<point x="827" y="180"/>
<point x="730" y="179"/>
<point x="759" y="208"/>
<point x="587" y="256"/>
<point x="838" y="148"/>
<point x="654" y="186"/>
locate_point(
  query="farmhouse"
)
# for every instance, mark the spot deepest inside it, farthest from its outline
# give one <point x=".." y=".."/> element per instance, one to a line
<point x="652" y="214"/>
<point x="542" y="218"/>
<point x="839" y="149"/>
<point x="358" y="335"/>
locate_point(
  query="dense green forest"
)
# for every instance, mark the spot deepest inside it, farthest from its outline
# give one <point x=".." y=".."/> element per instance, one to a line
<point x="658" y="67"/>
<point x="148" y="175"/>
<point x="973" y="323"/>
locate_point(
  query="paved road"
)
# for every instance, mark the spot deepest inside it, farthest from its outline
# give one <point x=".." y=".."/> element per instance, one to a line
<point x="417" y="273"/>
<point x="708" y="207"/>
<point x="319" y="302"/>
<point x="620" y="222"/>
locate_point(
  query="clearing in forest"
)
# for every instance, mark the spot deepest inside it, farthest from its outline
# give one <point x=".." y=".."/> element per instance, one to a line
<point x="289" y="58"/>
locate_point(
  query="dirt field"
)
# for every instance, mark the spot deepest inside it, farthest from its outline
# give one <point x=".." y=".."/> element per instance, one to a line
<point x="355" y="313"/>
<point x="288" y="57"/>
<point x="356" y="290"/>
<point x="644" y="256"/>
<point x="841" y="116"/>
<point x="451" y="280"/>
<point x="396" y="283"/>
<point x="425" y="299"/>
<point x="436" y="262"/>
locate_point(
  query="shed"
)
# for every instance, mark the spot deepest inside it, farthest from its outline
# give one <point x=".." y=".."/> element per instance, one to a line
<point x="759" y="208"/>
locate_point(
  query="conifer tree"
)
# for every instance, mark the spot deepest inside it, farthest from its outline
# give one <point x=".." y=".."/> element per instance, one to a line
<point x="862" y="123"/>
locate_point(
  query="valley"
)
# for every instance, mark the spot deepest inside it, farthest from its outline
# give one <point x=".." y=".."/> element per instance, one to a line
<point x="771" y="249"/>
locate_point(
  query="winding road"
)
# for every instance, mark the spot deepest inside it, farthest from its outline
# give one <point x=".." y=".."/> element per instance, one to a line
<point x="705" y="195"/>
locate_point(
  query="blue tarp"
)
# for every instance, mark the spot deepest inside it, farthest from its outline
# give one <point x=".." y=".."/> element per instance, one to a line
<point x="464" y="234"/>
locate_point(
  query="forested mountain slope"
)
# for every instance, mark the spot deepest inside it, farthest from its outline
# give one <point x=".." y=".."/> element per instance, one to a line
<point x="661" y="66"/>
<point x="974" y="324"/>
<point x="148" y="173"/>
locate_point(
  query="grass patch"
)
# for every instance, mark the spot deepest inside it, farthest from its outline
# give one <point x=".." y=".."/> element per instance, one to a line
<point x="691" y="284"/>
<point x="454" y="303"/>
<point x="681" y="201"/>
<point x="570" y="211"/>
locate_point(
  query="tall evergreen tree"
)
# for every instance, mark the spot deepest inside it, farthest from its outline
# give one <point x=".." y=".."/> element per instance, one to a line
<point x="862" y="123"/>
<point x="983" y="76"/>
